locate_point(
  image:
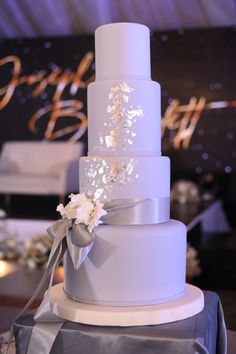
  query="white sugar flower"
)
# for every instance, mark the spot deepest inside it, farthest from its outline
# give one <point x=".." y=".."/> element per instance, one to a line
<point x="76" y="200"/>
<point x="95" y="216"/>
<point x="67" y="212"/>
<point x="82" y="210"/>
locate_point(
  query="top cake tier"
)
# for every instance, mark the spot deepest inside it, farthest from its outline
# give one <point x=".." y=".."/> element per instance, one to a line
<point x="124" y="110"/>
<point x="113" y="39"/>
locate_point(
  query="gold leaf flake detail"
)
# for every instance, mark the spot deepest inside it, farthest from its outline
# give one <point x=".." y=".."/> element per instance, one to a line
<point x="122" y="116"/>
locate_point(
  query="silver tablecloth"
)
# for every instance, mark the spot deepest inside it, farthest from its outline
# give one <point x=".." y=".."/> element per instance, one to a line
<point x="203" y="333"/>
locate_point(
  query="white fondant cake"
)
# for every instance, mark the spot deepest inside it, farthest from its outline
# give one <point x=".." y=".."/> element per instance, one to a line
<point x="140" y="262"/>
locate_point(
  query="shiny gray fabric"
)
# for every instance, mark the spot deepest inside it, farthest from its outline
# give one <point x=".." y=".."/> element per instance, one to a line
<point x="203" y="333"/>
<point x="137" y="211"/>
<point x="42" y="337"/>
<point x="78" y="241"/>
<point x="58" y="249"/>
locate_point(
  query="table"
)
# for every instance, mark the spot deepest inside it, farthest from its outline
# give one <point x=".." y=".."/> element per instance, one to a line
<point x="203" y="333"/>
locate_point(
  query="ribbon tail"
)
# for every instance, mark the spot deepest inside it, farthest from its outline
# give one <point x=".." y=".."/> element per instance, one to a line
<point x="79" y="242"/>
<point x="57" y="232"/>
<point x="42" y="337"/>
<point x="44" y="333"/>
<point x="47" y="324"/>
<point x="54" y="258"/>
<point x="44" y="312"/>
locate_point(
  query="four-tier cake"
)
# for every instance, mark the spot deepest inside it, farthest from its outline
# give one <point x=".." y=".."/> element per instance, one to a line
<point x="137" y="264"/>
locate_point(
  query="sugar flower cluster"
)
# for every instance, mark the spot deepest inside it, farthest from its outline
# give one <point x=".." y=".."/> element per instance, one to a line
<point x="82" y="210"/>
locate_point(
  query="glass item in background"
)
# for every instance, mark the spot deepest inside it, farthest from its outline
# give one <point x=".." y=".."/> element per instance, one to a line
<point x="185" y="192"/>
<point x="208" y="186"/>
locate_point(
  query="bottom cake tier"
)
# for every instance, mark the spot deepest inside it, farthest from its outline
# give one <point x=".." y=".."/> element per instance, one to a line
<point x="131" y="266"/>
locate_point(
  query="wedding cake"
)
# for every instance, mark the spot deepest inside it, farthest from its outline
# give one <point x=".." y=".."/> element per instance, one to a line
<point x="139" y="255"/>
<point x="130" y="269"/>
<point x="127" y="269"/>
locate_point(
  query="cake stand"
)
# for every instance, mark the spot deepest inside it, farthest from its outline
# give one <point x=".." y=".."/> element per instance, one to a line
<point x="188" y="305"/>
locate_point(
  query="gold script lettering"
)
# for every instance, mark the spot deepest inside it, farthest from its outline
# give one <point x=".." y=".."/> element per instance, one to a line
<point x="69" y="108"/>
<point x="59" y="108"/>
<point x="183" y="119"/>
<point x="8" y="90"/>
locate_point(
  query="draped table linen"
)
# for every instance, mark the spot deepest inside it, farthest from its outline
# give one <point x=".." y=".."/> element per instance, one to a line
<point x="202" y="333"/>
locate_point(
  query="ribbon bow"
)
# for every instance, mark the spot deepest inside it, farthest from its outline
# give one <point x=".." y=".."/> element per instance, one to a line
<point x="78" y="241"/>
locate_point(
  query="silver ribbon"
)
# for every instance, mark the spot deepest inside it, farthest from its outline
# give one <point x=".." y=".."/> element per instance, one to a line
<point x="137" y="211"/>
<point x="78" y="241"/>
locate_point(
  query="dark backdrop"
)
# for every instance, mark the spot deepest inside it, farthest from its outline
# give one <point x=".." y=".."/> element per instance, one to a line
<point x="194" y="67"/>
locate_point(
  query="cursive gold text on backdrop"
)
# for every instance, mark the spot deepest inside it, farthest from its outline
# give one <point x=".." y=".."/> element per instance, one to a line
<point x="183" y="118"/>
<point x="59" y="107"/>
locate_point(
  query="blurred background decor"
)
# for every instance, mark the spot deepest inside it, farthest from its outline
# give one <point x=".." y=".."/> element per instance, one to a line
<point x="193" y="268"/>
<point x="36" y="251"/>
<point x="185" y="192"/>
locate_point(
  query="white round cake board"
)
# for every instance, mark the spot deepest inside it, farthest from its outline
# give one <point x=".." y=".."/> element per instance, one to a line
<point x="189" y="305"/>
